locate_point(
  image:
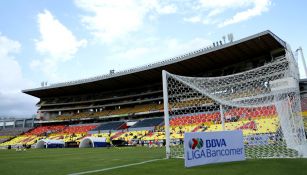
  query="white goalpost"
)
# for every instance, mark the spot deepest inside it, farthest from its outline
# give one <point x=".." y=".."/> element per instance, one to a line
<point x="263" y="102"/>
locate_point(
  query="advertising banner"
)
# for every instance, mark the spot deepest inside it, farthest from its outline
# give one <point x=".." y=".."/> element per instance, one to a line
<point x="212" y="147"/>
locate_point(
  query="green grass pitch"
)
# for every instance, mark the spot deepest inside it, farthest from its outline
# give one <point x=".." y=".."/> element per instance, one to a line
<point x="67" y="161"/>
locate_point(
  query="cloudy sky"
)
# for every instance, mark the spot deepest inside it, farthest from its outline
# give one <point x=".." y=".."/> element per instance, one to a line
<point x="56" y="40"/>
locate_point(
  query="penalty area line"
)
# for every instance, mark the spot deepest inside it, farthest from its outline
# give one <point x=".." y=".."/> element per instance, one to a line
<point x="115" y="167"/>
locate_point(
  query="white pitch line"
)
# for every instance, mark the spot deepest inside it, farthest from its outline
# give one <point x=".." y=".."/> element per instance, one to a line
<point x="116" y="167"/>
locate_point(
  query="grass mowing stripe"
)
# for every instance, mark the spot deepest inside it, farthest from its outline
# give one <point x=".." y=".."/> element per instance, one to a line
<point x="116" y="167"/>
<point x="68" y="161"/>
<point x="44" y="156"/>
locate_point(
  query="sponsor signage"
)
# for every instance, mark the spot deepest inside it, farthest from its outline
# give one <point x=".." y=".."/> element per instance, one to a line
<point x="213" y="147"/>
<point x="262" y="139"/>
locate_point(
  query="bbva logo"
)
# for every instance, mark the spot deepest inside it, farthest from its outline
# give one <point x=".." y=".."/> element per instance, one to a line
<point x="196" y="143"/>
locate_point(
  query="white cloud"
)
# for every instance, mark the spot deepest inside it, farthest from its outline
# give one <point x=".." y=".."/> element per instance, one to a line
<point x="56" y="44"/>
<point x="259" y="7"/>
<point x="193" y="19"/>
<point x="215" y="11"/>
<point x="149" y="51"/>
<point x="167" y="9"/>
<point x="221" y="4"/>
<point x="9" y="64"/>
<point x="177" y="47"/>
<point x="12" y="101"/>
<point x="110" y="20"/>
<point x="134" y="53"/>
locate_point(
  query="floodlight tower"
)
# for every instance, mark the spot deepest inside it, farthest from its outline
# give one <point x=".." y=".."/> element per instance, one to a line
<point x="303" y="58"/>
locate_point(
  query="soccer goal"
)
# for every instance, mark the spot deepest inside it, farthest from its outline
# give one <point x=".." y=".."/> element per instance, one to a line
<point x="263" y="102"/>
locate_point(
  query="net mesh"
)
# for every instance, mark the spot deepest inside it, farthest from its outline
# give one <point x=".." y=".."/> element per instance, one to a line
<point x="264" y="103"/>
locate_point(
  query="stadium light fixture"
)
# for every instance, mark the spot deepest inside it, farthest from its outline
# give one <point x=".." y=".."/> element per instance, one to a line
<point x="230" y="37"/>
<point x="300" y="49"/>
<point x="224" y="39"/>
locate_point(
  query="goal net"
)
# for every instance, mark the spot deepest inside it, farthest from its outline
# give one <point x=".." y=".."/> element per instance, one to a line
<point x="264" y="103"/>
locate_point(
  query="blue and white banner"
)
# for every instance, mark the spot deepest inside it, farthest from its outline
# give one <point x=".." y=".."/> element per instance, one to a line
<point x="261" y="139"/>
<point x="213" y="147"/>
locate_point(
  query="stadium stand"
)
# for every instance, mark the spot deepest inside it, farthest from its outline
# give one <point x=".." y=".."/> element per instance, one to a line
<point x="74" y="116"/>
<point x="21" y="140"/>
<point x="136" y="95"/>
<point x="66" y="133"/>
<point x="101" y="113"/>
<point x="149" y="129"/>
<point x="152" y="122"/>
<point x="13" y="131"/>
<point x="78" y="129"/>
<point x="9" y="133"/>
<point x="74" y="133"/>
<point x="147" y="108"/>
<point x="4" y="138"/>
<point x="45" y="130"/>
<point x="111" y="126"/>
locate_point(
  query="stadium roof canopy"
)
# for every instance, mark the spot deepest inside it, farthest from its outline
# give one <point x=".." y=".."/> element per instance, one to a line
<point x="209" y="58"/>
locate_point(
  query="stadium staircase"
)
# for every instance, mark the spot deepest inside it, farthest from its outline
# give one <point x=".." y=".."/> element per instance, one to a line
<point x="117" y="135"/>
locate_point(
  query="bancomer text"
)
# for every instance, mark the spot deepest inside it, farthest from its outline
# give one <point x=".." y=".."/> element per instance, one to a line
<point x="218" y="144"/>
<point x="213" y="153"/>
